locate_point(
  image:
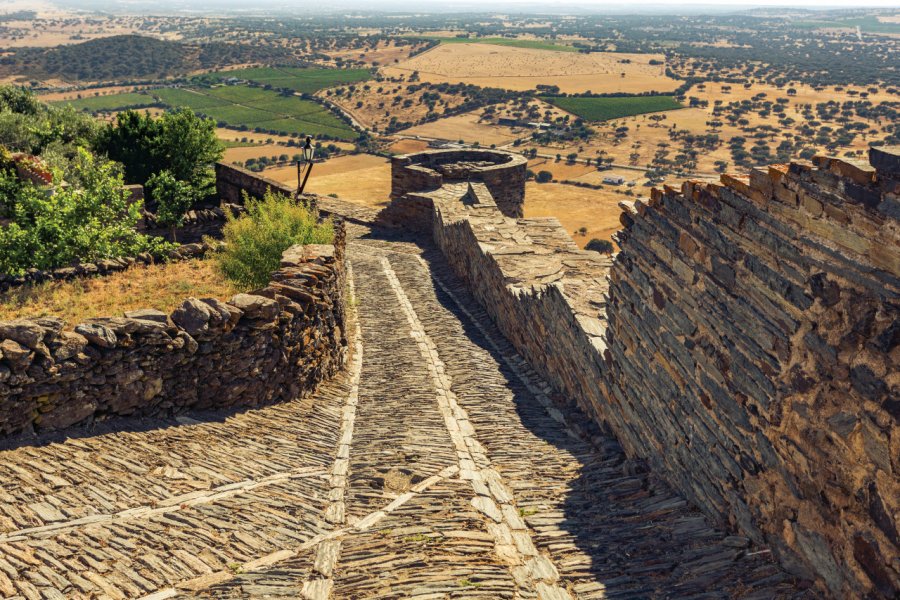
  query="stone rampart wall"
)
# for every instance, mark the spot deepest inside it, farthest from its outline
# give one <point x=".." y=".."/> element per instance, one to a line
<point x="753" y="338"/>
<point x="271" y="345"/>
<point x="745" y="343"/>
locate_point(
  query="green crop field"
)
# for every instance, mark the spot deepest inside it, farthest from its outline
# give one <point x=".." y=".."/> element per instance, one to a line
<point x="289" y="126"/>
<point x="111" y="102"/>
<point x="238" y="115"/>
<point x="242" y="106"/>
<point x="191" y="99"/>
<point x="500" y="41"/>
<point x="604" y="109"/>
<point x="302" y="80"/>
<point x="867" y="24"/>
<point x="239" y="94"/>
<point x="288" y="106"/>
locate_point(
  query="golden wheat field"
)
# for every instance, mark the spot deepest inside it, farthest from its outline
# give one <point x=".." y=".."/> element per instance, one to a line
<point x="522" y="69"/>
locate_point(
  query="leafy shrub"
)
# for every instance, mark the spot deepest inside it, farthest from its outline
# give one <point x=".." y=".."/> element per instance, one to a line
<point x="174" y="198"/>
<point x="255" y="240"/>
<point x="27" y="125"/>
<point x="83" y="223"/>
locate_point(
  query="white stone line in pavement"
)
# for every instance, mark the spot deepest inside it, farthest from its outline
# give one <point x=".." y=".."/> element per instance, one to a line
<point x="513" y="363"/>
<point x="167" y="505"/>
<point x="326" y="553"/>
<point x="532" y="571"/>
<point x="262" y="563"/>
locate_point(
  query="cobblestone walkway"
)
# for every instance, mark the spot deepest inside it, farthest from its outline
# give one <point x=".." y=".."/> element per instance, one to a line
<point x="437" y="466"/>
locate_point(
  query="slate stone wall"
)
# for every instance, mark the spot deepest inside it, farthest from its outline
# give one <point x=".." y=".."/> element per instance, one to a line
<point x="753" y="356"/>
<point x="271" y="345"/>
<point x="232" y="180"/>
<point x="745" y="342"/>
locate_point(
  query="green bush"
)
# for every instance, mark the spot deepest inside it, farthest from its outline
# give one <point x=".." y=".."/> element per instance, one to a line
<point x="76" y="223"/>
<point x="255" y="240"/>
<point x="174" y="198"/>
<point x="601" y="246"/>
<point x="544" y="176"/>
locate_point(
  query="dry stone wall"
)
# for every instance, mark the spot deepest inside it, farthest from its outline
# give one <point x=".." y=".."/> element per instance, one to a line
<point x="744" y="342"/>
<point x="270" y="345"/>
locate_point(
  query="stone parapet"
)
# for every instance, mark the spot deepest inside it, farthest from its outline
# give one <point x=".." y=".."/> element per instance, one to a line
<point x="266" y="346"/>
<point x="745" y="342"/>
<point x="233" y="181"/>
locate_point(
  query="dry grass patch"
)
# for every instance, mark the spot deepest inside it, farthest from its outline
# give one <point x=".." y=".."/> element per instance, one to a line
<point x="597" y="211"/>
<point x="363" y="179"/>
<point x="408" y="146"/>
<point x="468" y="127"/>
<point x="161" y="286"/>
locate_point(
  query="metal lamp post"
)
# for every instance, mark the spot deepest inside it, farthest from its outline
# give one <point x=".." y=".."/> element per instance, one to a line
<point x="308" y="153"/>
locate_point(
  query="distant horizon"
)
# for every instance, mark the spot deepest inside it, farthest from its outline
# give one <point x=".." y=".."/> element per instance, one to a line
<point x="521" y="7"/>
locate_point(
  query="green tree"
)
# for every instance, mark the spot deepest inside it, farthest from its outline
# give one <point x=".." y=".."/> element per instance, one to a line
<point x="179" y="142"/>
<point x="601" y="246"/>
<point x="174" y="198"/>
<point x="188" y="147"/>
<point x="544" y="176"/>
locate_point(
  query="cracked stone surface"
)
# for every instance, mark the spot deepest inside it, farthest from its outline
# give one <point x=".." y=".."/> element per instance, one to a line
<point x="438" y="465"/>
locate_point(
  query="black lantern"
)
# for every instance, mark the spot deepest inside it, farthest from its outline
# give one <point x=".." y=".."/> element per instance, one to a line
<point x="308" y="150"/>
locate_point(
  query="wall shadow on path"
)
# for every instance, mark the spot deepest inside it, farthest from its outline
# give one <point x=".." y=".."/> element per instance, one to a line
<point x="641" y="538"/>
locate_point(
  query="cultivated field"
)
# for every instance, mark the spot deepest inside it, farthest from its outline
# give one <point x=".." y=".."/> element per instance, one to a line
<point x="307" y="81"/>
<point x="111" y="102"/>
<point x="604" y="109"/>
<point x="236" y="106"/>
<point x="522" y="69"/>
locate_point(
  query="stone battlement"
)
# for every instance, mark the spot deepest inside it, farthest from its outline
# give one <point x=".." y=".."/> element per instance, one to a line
<point x="744" y="342"/>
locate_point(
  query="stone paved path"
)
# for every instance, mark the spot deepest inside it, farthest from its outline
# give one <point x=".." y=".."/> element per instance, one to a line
<point x="437" y="466"/>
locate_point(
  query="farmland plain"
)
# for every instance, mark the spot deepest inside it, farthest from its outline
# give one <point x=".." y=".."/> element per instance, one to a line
<point x="307" y="81"/>
<point x="522" y="69"/>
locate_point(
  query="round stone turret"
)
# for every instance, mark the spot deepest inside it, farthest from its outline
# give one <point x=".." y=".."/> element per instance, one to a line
<point x="502" y="172"/>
